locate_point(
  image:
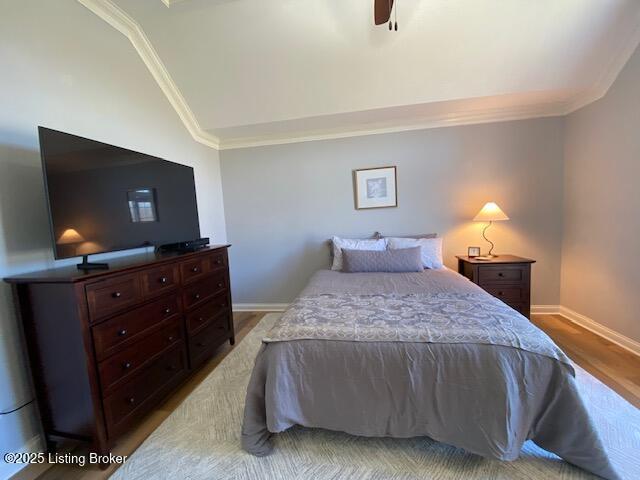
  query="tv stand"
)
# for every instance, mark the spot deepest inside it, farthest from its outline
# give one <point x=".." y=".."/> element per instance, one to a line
<point x="109" y="346"/>
<point x="86" y="265"/>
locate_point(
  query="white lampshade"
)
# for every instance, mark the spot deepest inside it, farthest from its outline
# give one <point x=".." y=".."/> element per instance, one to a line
<point x="491" y="212"/>
<point x="70" y="236"/>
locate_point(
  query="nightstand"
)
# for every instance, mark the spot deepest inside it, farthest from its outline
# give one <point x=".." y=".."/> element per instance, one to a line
<point x="506" y="277"/>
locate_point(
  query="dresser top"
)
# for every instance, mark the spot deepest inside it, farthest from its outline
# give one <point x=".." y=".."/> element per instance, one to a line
<point x="496" y="260"/>
<point x="71" y="274"/>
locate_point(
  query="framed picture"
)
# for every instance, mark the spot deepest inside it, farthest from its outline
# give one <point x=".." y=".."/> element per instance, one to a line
<point x="473" y="252"/>
<point x="375" y="187"/>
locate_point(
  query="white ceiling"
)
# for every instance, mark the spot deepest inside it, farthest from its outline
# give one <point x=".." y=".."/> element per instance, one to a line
<point x="258" y="71"/>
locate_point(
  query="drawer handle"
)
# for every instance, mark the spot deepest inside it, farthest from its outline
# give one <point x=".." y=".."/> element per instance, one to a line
<point x="122" y="333"/>
<point x="170" y="338"/>
<point x="220" y="285"/>
<point x="200" y="319"/>
<point x="126" y="365"/>
<point x="218" y="262"/>
<point x="500" y="274"/>
<point x="167" y="310"/>
<point x="223" y="305"/>
<point x="131" y="400"/>
<point x="501" y="293"/>
<point x="197" y="296"/>
<point x="195" y="269"/>
<point x="163" y="280"/>
<point x="116" y="294"/>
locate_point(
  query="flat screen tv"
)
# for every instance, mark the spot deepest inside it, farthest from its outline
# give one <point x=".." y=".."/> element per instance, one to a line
<point x="104" y="198"/>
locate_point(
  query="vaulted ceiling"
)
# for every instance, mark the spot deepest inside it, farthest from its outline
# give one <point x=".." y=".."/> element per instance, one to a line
<point x="273" y="71"/>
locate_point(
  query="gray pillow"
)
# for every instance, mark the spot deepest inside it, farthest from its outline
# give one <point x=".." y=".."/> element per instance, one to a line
<point x="400" y="260"/>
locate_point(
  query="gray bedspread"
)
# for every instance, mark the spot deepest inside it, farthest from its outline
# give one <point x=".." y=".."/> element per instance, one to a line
<point x="418" y="354"/>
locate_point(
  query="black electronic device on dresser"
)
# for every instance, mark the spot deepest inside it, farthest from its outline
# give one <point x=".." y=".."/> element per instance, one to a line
<point x="506" y="277"/>
<point x="183" y="247"/>
<point x="106" y="346"/>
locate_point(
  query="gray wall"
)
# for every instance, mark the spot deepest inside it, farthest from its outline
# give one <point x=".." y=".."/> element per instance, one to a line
<point x="600" y="260"/>
<point x="65" y="68"/>
<point x="282" y="202"/>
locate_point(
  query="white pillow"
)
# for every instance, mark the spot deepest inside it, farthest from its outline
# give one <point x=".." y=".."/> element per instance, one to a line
<point x="354" y="244"/>
<point x="431" y="249"/>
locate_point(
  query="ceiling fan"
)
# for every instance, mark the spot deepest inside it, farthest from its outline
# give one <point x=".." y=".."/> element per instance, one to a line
<point x="382" y="13"/>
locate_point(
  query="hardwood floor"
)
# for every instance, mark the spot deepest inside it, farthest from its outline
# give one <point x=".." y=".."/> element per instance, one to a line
<point x="611" y="364"/>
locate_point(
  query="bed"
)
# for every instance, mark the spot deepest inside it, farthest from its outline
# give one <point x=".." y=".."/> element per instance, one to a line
<point x="418" y="354"/>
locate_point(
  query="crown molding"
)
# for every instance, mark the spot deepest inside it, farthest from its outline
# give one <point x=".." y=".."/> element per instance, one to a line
<point x="121" y="21"/>
<point x="126" y="25"/>
<point x="609" y="73"/>
<point x="450" y="119"/>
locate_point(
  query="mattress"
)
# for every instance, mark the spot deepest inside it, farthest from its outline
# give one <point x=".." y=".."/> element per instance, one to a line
<point x="418" y="354"/>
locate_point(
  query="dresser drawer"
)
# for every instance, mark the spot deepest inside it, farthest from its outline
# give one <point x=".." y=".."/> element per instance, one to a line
<point x="507" y="293"/>
<point x="133" y="400"/>
<point x="208" y="312"/>
<point x="159" y="280"/>
<point x="204" y="343"/>
<point x="119" y="332"/>
<point x="201" y="291"/>
<point x="123" y="365"/>
<point x="217" y="261"/>
<point x="500" y="273"/>
<point x="193" y="269"/>
<point x="109" y="296"/>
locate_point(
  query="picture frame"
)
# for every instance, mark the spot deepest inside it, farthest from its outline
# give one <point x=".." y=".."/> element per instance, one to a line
<point x="375" y="188"/>
<point x="473" y="252"/>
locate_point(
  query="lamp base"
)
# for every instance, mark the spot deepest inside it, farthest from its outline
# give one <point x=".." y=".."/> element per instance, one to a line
<point x="486" y="257"/>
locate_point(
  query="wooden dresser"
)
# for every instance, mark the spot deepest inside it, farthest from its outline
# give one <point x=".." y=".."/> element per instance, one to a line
<point x="106" y="346"/>
<point x="506" y="277"/>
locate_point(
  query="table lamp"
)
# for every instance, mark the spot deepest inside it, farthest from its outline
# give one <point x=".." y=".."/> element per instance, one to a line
<point x="489" y="213"/>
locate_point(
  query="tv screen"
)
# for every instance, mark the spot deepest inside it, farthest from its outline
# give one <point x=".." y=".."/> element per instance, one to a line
<point x="104" y="198"/>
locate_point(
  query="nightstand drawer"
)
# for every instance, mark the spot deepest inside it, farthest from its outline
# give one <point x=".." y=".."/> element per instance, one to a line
<point x="501" y="273"/>
<point x="507" y="293"/>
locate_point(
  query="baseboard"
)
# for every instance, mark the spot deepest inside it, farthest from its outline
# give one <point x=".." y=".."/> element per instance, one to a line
<point x="260" y="307"/>
<point x="599" y="329"/>
<point x="545" y="309"/>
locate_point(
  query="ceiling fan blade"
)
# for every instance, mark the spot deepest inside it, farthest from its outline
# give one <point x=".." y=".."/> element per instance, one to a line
<point x="382" y="11"/>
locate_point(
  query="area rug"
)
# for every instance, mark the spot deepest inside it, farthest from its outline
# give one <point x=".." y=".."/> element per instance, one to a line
<point x="201" y="440"/>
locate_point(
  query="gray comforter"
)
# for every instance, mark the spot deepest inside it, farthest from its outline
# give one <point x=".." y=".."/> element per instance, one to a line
<point x="418" y="354"/>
